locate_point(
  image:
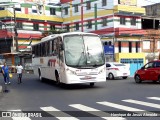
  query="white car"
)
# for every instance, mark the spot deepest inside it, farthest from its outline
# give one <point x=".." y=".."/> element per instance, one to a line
<point x="114" y="69"/>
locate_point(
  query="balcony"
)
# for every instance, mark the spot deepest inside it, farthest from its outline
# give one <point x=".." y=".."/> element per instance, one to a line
<point x="5" y="14"/>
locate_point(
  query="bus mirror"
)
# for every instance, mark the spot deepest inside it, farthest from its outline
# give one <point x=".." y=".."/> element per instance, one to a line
<point x="33" y="55"/>
<point x="61" y="46"/>
<point x="53" y="52"/>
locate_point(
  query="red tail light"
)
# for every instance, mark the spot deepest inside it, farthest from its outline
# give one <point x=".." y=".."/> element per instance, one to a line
<point x="113" y="69"/>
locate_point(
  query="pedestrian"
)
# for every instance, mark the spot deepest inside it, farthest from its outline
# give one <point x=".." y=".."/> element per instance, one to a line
<point x="19" y="73"/>
<point x="5" y="72"/>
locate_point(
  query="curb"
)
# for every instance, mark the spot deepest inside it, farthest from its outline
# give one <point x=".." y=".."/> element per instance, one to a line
<point x="0" y="89"/>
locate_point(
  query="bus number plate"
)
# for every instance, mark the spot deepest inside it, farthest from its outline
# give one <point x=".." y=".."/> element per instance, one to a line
<point x="87" y="78"/>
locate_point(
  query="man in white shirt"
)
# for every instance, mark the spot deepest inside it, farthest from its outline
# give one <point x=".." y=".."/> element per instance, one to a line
<point x="19" y="72"/>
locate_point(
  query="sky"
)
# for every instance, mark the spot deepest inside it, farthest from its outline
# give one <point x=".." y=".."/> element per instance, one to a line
<point x="139" y="2"/>
<point x="147" y="2"/>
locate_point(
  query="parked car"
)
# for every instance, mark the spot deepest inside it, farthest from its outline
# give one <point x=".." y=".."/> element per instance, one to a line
<point x="150" y="71"/>
<point x="115" y="69"/>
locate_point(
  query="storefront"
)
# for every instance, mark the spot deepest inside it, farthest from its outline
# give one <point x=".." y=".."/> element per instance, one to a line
<point x="134" y="60"/>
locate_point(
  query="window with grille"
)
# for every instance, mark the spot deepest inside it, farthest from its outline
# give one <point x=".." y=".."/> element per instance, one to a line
<point x="146" y="44"/>
<point x="76" y="8"/>
<point x="104" y="2"/>
<point x="67" y="27"/>
<point x="77" y="26"/>
<point x="137" y="46"/>
<point x="130" y="47"/>
<point x="89" y="24"/>
<point x="133" y="21"/>
<point x="34" y="11"/>
<point x="119" y="1"/>
<point x="52" y="27"/>
<point x="19" y="25"/>
<point x="52" y="11"/>
<point x="88" y="5"/>
<point x="17" y="9"/>
<point x="35" y="26"/>
<point x="122" y="20"/>
<point x="119" y="46"/>
<point x="66" y="11"/>
<point x="2" y="8"/>
<point x="104" y="21"/>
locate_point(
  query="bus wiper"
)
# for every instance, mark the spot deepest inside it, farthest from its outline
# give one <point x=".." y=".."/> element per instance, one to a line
<point x="95" y="65"/>
<point x="79" y="60"/>
<point x="90" y="55"/>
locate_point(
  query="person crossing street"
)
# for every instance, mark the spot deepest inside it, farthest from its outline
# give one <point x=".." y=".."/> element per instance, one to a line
<point x="5" y="72"/>
<point x="19" y="73"/>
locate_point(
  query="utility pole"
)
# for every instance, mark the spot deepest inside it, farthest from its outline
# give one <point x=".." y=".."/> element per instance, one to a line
<point x="15" y="30"/>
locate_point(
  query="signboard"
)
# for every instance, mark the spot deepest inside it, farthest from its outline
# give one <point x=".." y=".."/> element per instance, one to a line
<point x="128" y="2"/>
<point x="109" y="49"/>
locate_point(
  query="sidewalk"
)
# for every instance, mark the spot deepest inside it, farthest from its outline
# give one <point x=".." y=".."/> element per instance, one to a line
<point x="0" y="88"/>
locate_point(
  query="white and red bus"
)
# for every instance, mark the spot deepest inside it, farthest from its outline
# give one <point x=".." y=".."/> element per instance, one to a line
<point x="70" y="58"/>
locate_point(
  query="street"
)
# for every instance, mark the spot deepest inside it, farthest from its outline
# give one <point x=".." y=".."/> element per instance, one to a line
<point x="116" y="96"/>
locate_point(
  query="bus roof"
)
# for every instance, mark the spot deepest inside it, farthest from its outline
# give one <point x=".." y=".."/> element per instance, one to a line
<point x="62" y="34"/>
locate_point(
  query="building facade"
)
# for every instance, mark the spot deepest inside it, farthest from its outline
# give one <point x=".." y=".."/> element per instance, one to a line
<point x="25" y="21"/>
<point x="117" y="21"/>
<point x="120" y="23"/>
<point x="151" y="23"/>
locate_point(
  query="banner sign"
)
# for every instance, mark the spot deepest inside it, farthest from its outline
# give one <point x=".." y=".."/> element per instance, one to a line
<point x="109" y="49"/>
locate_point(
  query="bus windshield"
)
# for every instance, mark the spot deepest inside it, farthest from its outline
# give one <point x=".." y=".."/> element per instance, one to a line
<point x="83" y="51"/>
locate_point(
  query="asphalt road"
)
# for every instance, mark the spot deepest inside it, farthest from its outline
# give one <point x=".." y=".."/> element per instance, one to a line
<point x="117" y="96"/>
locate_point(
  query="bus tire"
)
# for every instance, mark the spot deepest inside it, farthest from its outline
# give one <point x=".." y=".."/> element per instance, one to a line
<point x="57" y="78"/>
<point x="91" y="84"/>
<point x="40" y="77"/>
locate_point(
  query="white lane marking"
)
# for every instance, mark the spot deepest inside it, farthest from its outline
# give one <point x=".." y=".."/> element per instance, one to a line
<point x="122" y="107"/>
<point x="143" y="103"/>
<point x="51" y="110"/>
<point x="154" y="98"/>
<point x="96" y="112"/>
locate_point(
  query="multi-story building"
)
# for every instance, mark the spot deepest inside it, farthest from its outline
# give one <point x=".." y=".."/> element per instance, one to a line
<point x="117" y="21"/>
<point x="25" y="21"/>
<point x="151" y="23"/>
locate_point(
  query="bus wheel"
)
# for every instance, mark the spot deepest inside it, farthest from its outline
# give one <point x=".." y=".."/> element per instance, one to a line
<point x="57" y="79"/>
<point x="91" y="84"/>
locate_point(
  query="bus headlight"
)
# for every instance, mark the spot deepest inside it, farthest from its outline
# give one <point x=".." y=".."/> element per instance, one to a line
<point x="71" y="71"/>
<point x="102" y="70"/>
